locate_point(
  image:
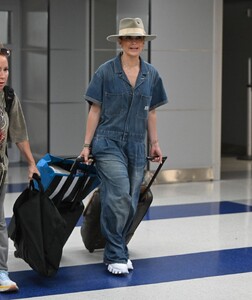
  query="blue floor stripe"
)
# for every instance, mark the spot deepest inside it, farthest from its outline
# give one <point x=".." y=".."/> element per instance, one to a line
<point x="189" y="210"/>
<point x="147" y="271"/>
<point x="195" y="209"/>
<point x="16" y="187"/>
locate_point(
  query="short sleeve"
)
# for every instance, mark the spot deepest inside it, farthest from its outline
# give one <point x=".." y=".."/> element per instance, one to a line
<point x="159" y="96"/>
<point x="94" y="93"/>
<point x="17" y="125"/>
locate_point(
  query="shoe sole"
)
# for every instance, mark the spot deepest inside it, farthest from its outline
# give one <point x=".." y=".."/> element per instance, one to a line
<point x="7" y="288"/>
<point x="129" y="266"/>
<point x="117" y="271"/>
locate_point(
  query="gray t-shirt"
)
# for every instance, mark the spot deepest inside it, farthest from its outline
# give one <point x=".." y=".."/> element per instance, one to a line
<point x="12" y="129"/>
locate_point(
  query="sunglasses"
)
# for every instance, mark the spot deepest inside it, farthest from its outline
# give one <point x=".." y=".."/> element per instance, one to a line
<point x="5" y="52"/>
<point x="132" y="38"/>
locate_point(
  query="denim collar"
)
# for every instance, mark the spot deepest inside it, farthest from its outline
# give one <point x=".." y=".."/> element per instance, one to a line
<point x="118" y="66"/>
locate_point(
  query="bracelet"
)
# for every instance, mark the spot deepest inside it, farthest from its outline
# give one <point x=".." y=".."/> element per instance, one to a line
<point x="86" y="146"/>
<point x="154" y="142"/>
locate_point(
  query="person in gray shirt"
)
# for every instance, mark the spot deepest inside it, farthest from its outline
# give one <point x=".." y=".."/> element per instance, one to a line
<point x="12" y="128"/>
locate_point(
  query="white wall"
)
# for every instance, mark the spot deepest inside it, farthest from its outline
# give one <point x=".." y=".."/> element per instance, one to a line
<point x="188" y="54"/>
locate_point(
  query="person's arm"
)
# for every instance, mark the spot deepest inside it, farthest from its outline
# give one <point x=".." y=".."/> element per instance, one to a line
<point x="24" y="148"/>
<point x="153" y="138"/>
<point x="92" y="122"/>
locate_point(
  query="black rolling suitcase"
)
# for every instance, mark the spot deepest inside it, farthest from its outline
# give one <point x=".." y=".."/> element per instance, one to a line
<point x="90" y="229"/>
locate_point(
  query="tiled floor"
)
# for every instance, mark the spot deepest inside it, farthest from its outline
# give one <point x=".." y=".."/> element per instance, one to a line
<point x="194" y="244"/>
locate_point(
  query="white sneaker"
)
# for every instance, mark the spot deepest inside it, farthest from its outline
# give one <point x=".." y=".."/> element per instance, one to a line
<point x="118" y="268"/>
<point x="130" y="265"/>
<point x="7" y="285"/>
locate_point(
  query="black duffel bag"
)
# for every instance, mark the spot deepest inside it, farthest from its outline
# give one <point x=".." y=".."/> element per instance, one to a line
<point x="37" y="229"/>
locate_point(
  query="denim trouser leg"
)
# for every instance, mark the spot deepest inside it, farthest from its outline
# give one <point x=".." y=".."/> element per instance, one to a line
<point x="121" y="176"/>
<point x="3" y="233"/>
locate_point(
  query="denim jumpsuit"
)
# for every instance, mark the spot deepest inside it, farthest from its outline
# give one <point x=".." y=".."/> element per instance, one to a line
<point x="118" y="145"/>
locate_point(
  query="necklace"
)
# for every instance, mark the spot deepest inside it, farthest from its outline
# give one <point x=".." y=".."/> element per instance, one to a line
<point x="130" y="67"/>
<point x="131" y="70"/>
<point x="127" y="66"/>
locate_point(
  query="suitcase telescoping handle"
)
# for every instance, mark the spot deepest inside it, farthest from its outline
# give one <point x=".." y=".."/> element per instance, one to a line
<point x="150" y="158"/>
<point x="78" y="160"/>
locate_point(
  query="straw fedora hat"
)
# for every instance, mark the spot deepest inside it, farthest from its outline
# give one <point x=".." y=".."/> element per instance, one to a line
<point x="131" y="27"/>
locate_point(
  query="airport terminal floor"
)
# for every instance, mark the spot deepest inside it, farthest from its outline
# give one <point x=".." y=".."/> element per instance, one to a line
<point x="195" y="243"/>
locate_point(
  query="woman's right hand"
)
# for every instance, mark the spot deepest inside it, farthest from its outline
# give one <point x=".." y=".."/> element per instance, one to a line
<point x="85" y="154"/>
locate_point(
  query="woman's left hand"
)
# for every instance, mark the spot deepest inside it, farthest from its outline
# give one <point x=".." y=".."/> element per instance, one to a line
<point x="32" y="168"/>
<point x="155" y="151"/>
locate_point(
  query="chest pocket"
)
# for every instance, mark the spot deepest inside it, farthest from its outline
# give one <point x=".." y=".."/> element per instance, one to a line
<point x="114" y="104"/>
<point x="143" y="106"/>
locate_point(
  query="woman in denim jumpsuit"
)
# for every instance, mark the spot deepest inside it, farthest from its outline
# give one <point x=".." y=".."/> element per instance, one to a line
<point x="123" y="95"/>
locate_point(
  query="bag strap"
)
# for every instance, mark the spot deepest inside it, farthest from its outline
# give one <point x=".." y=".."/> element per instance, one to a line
<point x="29" y="188"/>
<point x="9" y="97"/>
<point x="150" y="158"/>
<point x="37" y="178"/>
<point x="69" y="180"/>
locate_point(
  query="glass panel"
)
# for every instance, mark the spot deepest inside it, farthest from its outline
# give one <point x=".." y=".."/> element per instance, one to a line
<point x="104" y="24"/>
<point x="105" y="21"/>
<point x="36" y="28"/>
<point x="5" y="27"/>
